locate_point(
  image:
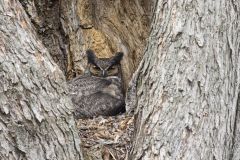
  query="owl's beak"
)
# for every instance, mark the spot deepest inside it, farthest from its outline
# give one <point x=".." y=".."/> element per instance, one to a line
<point x="104" y="73"/>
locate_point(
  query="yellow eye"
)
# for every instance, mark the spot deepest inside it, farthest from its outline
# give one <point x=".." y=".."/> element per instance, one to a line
<point x="96" y="67"/>
<point x="112" y="68"/>
<point x="112" y="71"/>
<point x="95" y="70"/>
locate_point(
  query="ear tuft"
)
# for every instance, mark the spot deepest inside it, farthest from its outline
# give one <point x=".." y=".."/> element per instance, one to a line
<point x="91" y="56"/>
<point x="118" y="57"/>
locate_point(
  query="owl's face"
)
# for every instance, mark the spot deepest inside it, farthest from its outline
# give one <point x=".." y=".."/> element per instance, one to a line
<point x="103" y="67"/>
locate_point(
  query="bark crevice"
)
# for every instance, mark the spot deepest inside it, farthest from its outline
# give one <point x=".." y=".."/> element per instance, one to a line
<point x="236" y="133"/>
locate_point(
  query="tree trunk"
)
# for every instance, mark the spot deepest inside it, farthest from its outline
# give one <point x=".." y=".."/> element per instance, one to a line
<point x="188" y="83"/>
<point x="36" y="119"/>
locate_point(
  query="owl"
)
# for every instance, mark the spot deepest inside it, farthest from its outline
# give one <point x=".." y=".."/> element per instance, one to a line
<point x="100" y="90"/>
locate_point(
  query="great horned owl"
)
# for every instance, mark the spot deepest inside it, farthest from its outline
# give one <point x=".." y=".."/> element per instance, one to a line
<point x="100" y="91"/>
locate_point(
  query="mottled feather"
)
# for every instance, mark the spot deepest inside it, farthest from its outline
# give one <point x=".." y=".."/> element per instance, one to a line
<point x="100" y="93"/>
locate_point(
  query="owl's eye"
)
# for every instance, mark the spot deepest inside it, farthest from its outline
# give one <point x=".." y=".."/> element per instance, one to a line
<point x="112" y="68"/>
<point x="96" y="67"/>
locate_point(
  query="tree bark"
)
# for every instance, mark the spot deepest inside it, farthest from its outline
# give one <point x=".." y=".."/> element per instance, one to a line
<point x="46" y="16"/>
<point x="188" y="83"/>
<point x="36" y="119"/>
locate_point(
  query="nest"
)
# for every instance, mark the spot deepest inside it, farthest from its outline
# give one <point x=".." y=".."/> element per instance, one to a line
<point x="106" y="138"/>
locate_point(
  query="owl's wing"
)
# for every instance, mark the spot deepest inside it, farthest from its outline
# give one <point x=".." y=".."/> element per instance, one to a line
<point x="98" y="104"/>
<point x="87" y="85"/>
<point x="94" y="96"/>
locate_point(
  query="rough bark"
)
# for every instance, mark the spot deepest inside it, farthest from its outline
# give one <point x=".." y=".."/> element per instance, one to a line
<point x="36" y="119"/>
<point x="45" y="15"/>
<point x="188" y="83"/>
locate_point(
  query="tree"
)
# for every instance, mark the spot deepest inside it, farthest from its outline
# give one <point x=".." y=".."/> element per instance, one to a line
<point x="188" y="83"/>
<point x="36" y="119"/>
<point x="31" y="81"/>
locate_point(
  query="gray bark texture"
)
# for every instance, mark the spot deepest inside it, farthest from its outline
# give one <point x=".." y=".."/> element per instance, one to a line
<point x="188" y="83"/>
<point x="46" y="17"/>
<point x="36" y="119"/>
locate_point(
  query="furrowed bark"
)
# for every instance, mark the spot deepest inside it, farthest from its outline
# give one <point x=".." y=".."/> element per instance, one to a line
<point x="36" y="119"/>
<point x="188" y="84"/>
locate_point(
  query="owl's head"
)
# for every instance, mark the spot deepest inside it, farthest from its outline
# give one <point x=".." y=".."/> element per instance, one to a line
<point x="103" y="67"/>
